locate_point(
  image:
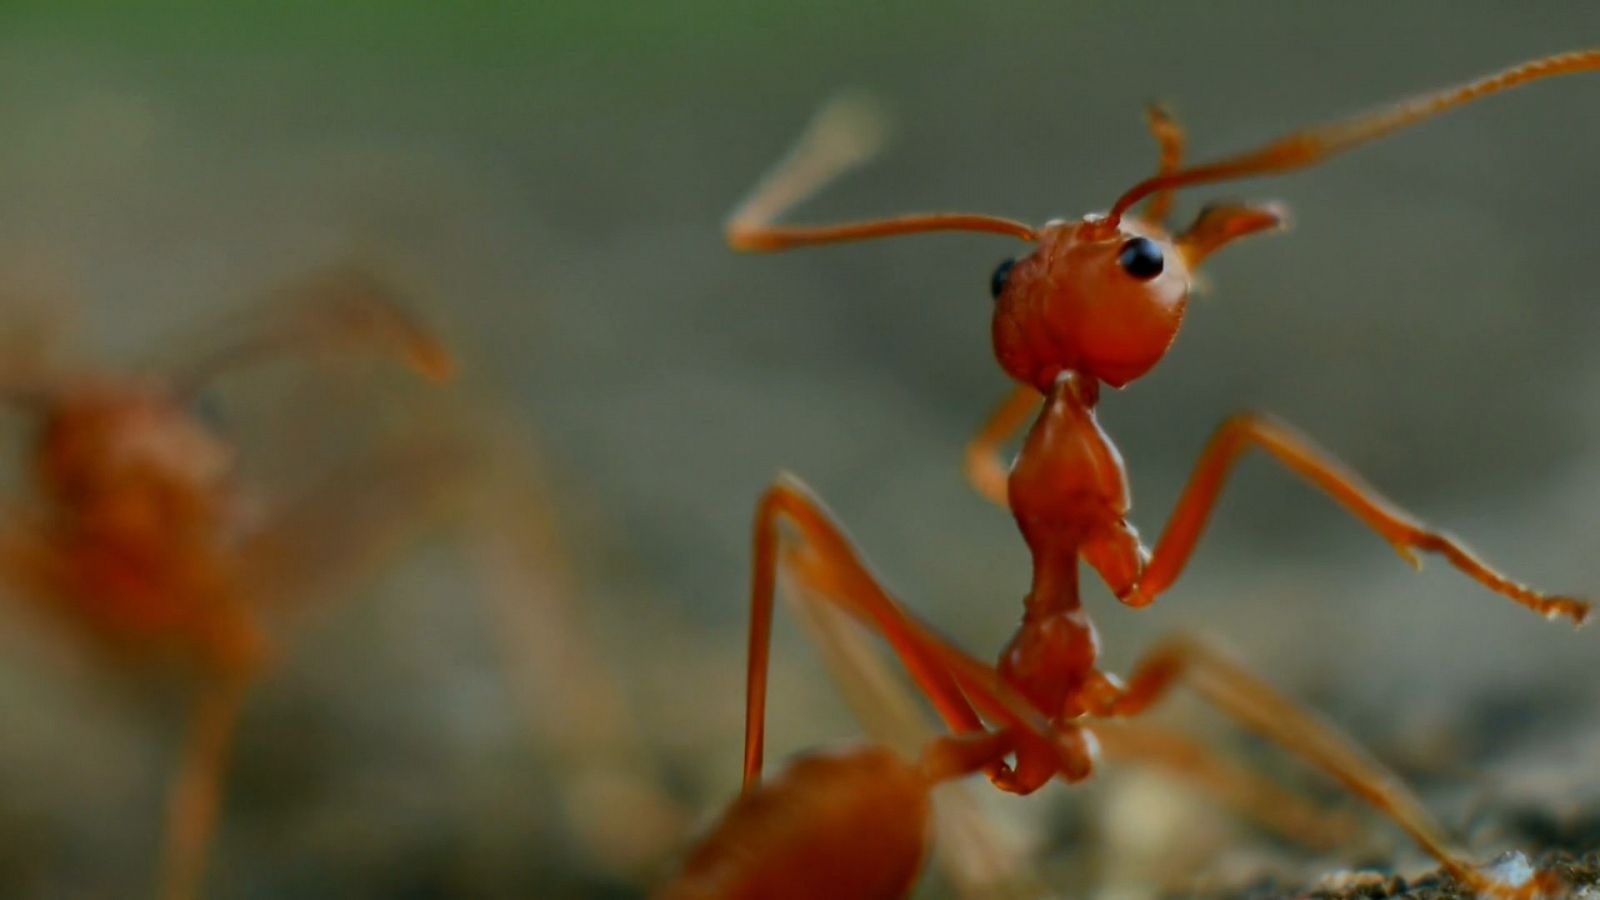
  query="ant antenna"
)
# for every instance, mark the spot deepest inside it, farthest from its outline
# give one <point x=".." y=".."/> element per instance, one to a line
<point x="847" y="132"/>
<point x="1310" y="146"/>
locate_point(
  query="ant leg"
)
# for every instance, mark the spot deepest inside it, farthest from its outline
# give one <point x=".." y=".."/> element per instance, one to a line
<point x="845" y="133"/>
<point x="986" y="468"/>
<point x="1254" y="703"/>
<point x="30" y="563"/>
<point x="41" y="315"/>
<point x="1169" y="136"/>
<point x="337" y="310"/>
<point x="979" y="858"/>
<point x="347" y="522"/>
<point x="828" y="565"/>
<point x="880" y="701"/>
<point x="195" y="795"/>
<point x="553" y="663"/>
<point x="959" y="755"/>
<point x="1203" y="769"/>
<point x="833" y="571"/>
<point x="1303" y="458"/>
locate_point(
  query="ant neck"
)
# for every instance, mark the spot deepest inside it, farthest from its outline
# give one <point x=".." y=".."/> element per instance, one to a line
<point x="1052" y="655"/>
<point x="1085" y="387"/>
<point x="1055" y="585"/>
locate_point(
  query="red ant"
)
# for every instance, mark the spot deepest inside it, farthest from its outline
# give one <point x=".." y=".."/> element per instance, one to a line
<point x="136" y="537"/>
<point x="1097" y="301"/>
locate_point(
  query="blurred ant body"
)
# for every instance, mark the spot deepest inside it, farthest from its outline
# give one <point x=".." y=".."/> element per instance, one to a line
<point x="145" y="540"/>
<point x="1098" y="301"/>
<point x="138" y="539"/>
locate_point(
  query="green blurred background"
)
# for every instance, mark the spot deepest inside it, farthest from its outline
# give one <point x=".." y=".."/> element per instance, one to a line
<point x="555" y="174"/>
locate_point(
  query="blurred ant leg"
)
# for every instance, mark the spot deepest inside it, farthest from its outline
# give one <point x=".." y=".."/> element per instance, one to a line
<point x="1205" y="770"/>
<point x="881" y="703"/>
<point x="828" y="564"/>
<point x="41" y="314"/>
<point x="341" y="310"/>
<point x="574" y="698"/>
<point x="346" y="524"/>
<point x="1305" y="459"/>
<point x="986" y="467"/>
<point x="847" y="132"/>
<point x="196" y="791"/>
<point x="33" y="565"/>
<point x="1254" y="703"/>
<point x="1169" y="136"/>
<point x="29" y="561"/>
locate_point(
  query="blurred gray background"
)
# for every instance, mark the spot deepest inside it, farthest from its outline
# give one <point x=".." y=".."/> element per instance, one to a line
<point x="554" y="178"/>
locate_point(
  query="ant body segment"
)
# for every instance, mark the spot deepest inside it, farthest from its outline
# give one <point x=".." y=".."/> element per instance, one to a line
<point x="1096" y="302"/>
<point x="137" y="535"/>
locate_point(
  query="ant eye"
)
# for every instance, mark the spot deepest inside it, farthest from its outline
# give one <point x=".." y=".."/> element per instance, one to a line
<point x="1141" y="258"/>
<point x="997" y="281"/>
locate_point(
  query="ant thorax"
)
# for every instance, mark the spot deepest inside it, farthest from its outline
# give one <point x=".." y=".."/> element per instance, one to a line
<point x="1068" y="477"/>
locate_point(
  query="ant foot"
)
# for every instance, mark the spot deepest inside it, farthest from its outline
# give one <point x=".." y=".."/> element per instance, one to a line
<point x="1512" y="877"/>
<point x="1550" y="606"/>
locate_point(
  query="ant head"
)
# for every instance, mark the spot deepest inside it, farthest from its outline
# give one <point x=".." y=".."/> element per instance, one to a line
<point x="105" y="438"/>
<point x="1105" y="298"/>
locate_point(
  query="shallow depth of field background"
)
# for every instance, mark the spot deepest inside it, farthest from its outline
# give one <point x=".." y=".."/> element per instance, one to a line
<point x="552" y="180"/>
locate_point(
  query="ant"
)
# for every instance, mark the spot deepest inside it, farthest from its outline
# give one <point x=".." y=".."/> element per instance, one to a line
<point x="138" y="537"/>
<point x="800" y="834"/>
<point x="148" y="543"/>
<point x="1097" y="302"/>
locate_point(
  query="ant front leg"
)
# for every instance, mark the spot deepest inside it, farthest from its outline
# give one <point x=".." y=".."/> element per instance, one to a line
<point x="833" y="569"/>
<point x="1305" y="459"/>
<point x="1256" y="705"/>
<point x="825" y="560"/>
<point x="986" y="466"/>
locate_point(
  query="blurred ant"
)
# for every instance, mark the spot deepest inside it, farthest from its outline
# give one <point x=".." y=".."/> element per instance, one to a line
<point x="147" y="542"/>
<point x="1097" y="301"/>
<point x="138" y="539"/>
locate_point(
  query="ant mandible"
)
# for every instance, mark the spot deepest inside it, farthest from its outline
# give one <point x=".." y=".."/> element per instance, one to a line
<point x="1097" y="301"/>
